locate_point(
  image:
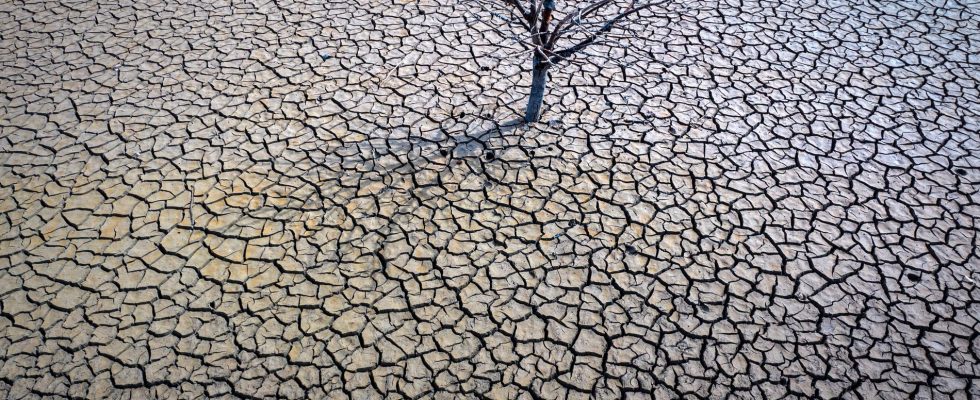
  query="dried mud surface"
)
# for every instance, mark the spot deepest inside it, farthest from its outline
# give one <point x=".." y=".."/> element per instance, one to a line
<point x="306" y="199"/>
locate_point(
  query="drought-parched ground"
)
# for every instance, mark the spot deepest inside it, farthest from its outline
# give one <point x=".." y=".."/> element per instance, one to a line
<point x="304" y="199"/>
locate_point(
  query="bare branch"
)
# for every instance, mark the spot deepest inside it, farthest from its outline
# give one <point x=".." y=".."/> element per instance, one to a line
<point x="520" y="9"/>
<point x="547" y="9"/>
<point x="572" y="16"/>
<point x="568" y="52"/>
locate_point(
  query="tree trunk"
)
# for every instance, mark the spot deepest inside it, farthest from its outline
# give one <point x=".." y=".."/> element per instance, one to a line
<point x="539" y="81"/>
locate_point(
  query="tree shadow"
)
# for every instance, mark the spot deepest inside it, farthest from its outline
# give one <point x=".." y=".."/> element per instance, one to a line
<point x="475" y="144"/>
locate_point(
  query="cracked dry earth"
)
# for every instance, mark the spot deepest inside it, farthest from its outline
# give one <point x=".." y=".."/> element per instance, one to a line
<point x="305" y="199"/>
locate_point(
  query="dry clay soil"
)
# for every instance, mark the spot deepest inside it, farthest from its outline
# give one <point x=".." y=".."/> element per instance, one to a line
<point x="309" y="199"/>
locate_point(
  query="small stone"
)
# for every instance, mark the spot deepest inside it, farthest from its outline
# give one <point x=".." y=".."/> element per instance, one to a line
<point x="914" y="277"/>
<point x="490" y="156"/>
<point x="960" y="172"/>
<point x="325" y="56"/>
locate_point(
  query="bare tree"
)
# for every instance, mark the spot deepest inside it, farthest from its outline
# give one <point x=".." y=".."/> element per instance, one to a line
<point x="557" y="30"/>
